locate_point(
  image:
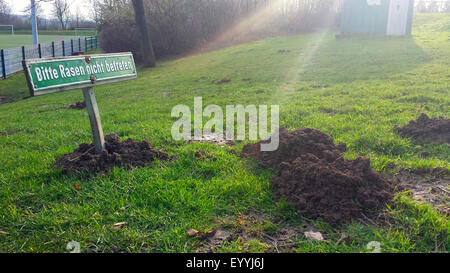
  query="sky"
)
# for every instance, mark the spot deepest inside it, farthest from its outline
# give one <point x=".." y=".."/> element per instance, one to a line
<point x="18" y="6"/>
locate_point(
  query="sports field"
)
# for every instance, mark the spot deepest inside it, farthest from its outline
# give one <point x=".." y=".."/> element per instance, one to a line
<point x="24" y="37"/>
<point x="11" y="41"/>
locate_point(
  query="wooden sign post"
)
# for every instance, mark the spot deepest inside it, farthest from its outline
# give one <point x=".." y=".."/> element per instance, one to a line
<point x="94" y="117"/>
<point x="46" y="76"/>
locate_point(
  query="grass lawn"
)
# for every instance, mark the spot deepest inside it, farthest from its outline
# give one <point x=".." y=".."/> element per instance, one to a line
<point x="356" y="89"/>
<point x="18" y="40"/>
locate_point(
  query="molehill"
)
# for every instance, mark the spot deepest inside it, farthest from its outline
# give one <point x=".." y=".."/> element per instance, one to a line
<point x="127" y="154"/>
<point x="314" y="178"/>
<point x="293" y="145"/>
<point x="78" y="106"/>
<point x="428" y="129"/>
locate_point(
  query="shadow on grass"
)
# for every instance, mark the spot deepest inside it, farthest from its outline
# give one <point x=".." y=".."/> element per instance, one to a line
<point x="359" y="58"/>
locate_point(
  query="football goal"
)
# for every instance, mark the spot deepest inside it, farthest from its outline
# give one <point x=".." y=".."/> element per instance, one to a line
<point x="85" y="32"/>
<point x="7" y="29"/>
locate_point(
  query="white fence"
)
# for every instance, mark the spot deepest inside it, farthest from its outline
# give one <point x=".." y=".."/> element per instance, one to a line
<point x="11" y="59"/>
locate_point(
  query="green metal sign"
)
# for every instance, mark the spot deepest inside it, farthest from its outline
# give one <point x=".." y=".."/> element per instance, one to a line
<point x="80" y="72"/>
<point x="59" y="74"/>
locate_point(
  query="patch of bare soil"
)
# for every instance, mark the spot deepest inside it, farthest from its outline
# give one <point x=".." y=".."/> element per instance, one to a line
<point x="202" y="155"/>
<point x="127" y="154"/>
<point x="222" y="81"/>
<point x="78" y="106"/>
<point x="428" y="129"/>
<point x="427" y="188"/>
<point x="214" y="138"/>
<point x="294" y="144"/>
<point x="321" y="87"/>
<point x="332" y="190"/>
<point x="248" y="227"/>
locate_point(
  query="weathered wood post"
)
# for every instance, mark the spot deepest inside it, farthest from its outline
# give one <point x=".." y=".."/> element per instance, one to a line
<point x="94" y="117"/>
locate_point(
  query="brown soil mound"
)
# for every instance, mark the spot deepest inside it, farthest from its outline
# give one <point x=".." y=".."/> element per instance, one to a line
<point x="424" y="128"/>
<point x="223" y="81"/>
<point x="127" y="154"/>
<point x="78" y="106"/>
<point x="332" y="190"/>
<point x="293" y="145"/>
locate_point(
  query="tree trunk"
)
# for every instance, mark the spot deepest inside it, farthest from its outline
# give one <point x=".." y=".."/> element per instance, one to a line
<point x="148" y="55"/>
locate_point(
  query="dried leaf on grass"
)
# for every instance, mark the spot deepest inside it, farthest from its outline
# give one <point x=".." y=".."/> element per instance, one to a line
<point x="120" y="225"/>
<point x="203" y="235"/>
<point x="317" y="236"/>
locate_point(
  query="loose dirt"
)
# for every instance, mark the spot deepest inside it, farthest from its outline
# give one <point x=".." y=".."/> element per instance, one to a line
<point x="247" y="228"/>
<point x="127" y="154"/>
<point x="431" y="188"/>
<point x="78" y="106"/>
<point x="332" y="190"/>
<point x="214" y="138"/>
<point x="294" y="144"/>
<point x="427" y="129"/>
<point x="316" y="179"/>
<point x="222" y="81"/>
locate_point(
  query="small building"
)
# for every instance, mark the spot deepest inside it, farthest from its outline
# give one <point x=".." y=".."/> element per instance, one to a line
<point x="388" y="17"/>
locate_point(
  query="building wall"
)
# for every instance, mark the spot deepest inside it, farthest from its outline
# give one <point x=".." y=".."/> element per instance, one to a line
<point x="360" y="17"/>
<point x="410" y="17"/>
<point x="372" y="16"/>
<point x="398" y="17"/>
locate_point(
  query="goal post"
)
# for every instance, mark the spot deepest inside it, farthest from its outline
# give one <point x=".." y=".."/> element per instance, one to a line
<point x="90" y="31"/>
<point x="7" y="28"/>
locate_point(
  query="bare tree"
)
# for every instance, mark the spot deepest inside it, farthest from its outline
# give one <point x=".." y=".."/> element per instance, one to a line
<point x="148" y="55"/>
<point x="5" y="11"/>
<point x="4" y="7"/>
<point x="61" y="10"/>
<point x="38" y="11"/>
<point x="102" y="9"/>
<point x="77" y="17"/>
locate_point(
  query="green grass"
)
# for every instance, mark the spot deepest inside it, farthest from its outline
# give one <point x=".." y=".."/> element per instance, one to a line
<point x="21" y="39"/>
<point x="50" y="32"/>
<point x="371" y="86"/>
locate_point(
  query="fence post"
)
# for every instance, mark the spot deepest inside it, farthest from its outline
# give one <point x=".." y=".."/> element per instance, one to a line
<point x="3" y="64"/>
<point x="40" y="51"/>
<point x="53" y="49"/>
<point x="23" y="53"/>
<point x="96" y="42"/>
<point x="85" y="44"/>
<point x="63" y="48"/>
<point x="79" y="44"/>
<point x="71" y="46"/>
